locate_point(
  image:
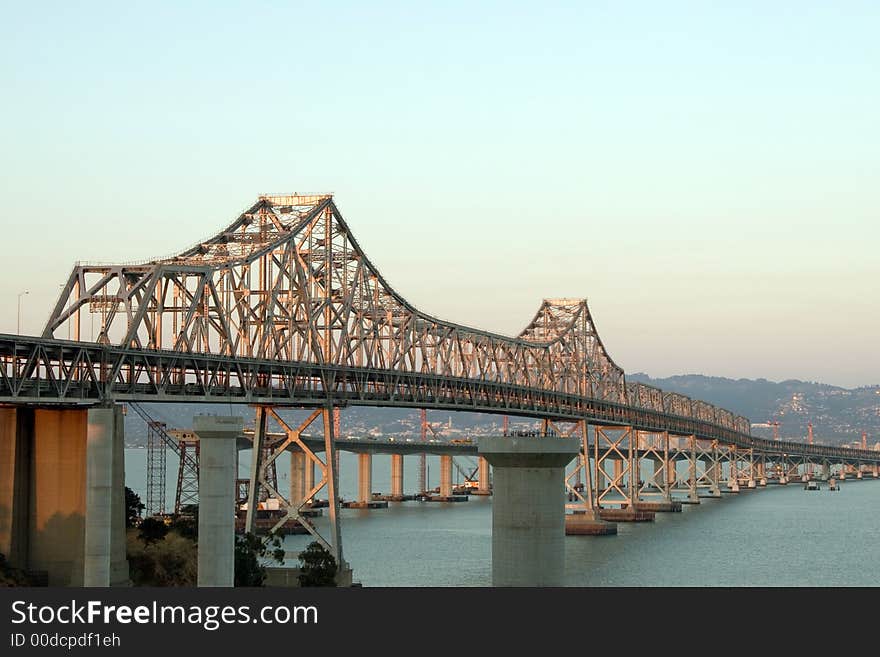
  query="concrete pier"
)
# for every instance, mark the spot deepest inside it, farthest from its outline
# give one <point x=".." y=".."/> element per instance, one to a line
<point x="365" y="477"/>
<point x="119" y="573"/>
<point x="528" y="509"/>
<point x="298" y="490"/>
<point x="483" y="483"/>
<point x="397" y="476"/>
<point x="62" y="496"/>
<point x="99" y="498"/>
<point x="217" y="438"/>
<point x="588" y="523"/>
<point x="660" y="475"/>
<point x="445" y="475"/>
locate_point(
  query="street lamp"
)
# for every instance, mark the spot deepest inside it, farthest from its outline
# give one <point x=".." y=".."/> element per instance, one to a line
<point x="20" y="295"/>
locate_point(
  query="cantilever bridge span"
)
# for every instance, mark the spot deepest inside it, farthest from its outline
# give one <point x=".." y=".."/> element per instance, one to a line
<point x="283" y="308"/>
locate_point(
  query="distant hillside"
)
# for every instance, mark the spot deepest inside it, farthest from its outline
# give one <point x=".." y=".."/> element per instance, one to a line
<point x="839" y="415"/>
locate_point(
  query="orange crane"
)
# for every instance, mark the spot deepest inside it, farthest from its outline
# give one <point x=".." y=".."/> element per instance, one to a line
<point x="810" y="441"/>
<point x="775" y="425"/>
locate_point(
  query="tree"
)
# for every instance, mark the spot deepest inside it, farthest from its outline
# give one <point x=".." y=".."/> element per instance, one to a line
<point x="249" y="549"/>
<point x="187" y="523"/>
<point x="317" y="566"/>
<point x="172" y="561"/>
<point x="152" y="530"/>
<point x="133" y="507"/>
<point x="10" y="576"/>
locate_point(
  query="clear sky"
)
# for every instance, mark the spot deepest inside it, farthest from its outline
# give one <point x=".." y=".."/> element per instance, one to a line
<point x="707" y="174"/>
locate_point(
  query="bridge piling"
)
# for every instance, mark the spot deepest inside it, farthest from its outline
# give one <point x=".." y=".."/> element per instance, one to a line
<point x="445" y="476"/>
<point x="365" y="478"/>
<point x="528" y="508"/>
<point x="483" y="483"/>
<point x="99" y="496"/>
<point x="62" y="514"/>
<point x="216" y="549"/>
<point x="397" y="477"/>
<point x="299" y="463"/>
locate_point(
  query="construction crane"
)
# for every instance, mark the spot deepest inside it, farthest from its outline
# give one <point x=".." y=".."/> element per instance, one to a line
<point x="775" y="425"/>
<point x="810" y="441"/>
<point x="186" y="450"/>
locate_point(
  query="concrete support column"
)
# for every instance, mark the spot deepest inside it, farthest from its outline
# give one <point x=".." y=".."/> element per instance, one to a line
<point x="56" y="522"/>
<point x="826" y="471"/>
<point x="99" y="498"/>
<point x="397" y="475"/>
<point x="483" y="474"/>
<point x="783" y="477"/>
<point x="714" y="472"/>
<point x="16" y="437"/>
<point x="732" y="474"/>
<point x="660" y="475"/>
<point x="601" y="479"/>
<point x="298" y="490"/>
<point x="618" y="471"/>
<point x="119" y="572"/>
<point x="445" y="475"/>
<point x="217" y="438"/>
<point x="528" y="508"/>
<point x="309" y="476"/>
<point x="365" y="477"/>
<point x="760" y="473"/>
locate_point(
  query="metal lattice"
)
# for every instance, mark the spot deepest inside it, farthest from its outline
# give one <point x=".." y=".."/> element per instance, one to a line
<point x="156" y="468"/>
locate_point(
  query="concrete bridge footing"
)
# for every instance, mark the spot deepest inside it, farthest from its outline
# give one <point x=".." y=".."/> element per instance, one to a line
<point x="62" y="494"/>
<point x="528" y="508"/>
<point x="217" y="453"/>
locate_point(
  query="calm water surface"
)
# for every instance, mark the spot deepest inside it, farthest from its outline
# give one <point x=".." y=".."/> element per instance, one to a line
<point x="778" y="536"/>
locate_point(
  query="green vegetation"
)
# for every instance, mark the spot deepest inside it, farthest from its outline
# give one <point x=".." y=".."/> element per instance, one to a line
<point x="152" y="530"/>
<point x="249" y="549"/>
<point x="133" y="508"/>
<point x="168" y="561"/>
<point x="10" y="576"/>
<point x="317" y="566"/>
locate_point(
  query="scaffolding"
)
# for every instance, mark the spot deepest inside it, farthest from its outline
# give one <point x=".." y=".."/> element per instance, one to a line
<point x="156" y="467"/>
<point x="187" y="471"/>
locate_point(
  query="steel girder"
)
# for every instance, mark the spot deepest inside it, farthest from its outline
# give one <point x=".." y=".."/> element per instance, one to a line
<point x="44" y="371"/>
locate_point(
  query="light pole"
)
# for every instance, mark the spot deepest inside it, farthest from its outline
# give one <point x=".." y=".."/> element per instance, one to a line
<point x="20" y="295"/>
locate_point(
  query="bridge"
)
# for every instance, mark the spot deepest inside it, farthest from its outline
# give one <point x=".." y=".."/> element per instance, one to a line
<point x="282" y="308"/>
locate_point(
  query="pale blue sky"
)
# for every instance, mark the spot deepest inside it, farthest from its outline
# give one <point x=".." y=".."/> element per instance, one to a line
<point x="706" y="175"/>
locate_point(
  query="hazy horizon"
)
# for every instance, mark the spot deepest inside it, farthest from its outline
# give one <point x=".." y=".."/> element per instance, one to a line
<point x="705" y="176"/>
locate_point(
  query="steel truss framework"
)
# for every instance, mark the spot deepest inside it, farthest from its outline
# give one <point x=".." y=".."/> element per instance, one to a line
<point x="268" y="446"/>
<point x="742" y="469"/>
<point x="654" y="448"/>
<point x="684" y="448"/>
<point x="283" y="307"/>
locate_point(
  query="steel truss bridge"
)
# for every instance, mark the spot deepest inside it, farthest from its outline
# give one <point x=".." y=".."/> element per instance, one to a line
<point x="283" y="308"/>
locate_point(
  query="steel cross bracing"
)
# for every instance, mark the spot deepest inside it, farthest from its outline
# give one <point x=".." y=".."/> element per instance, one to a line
<point x="283" y="306"/>
<point x="684" y="448"/>
<point x="654" y="447"/>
